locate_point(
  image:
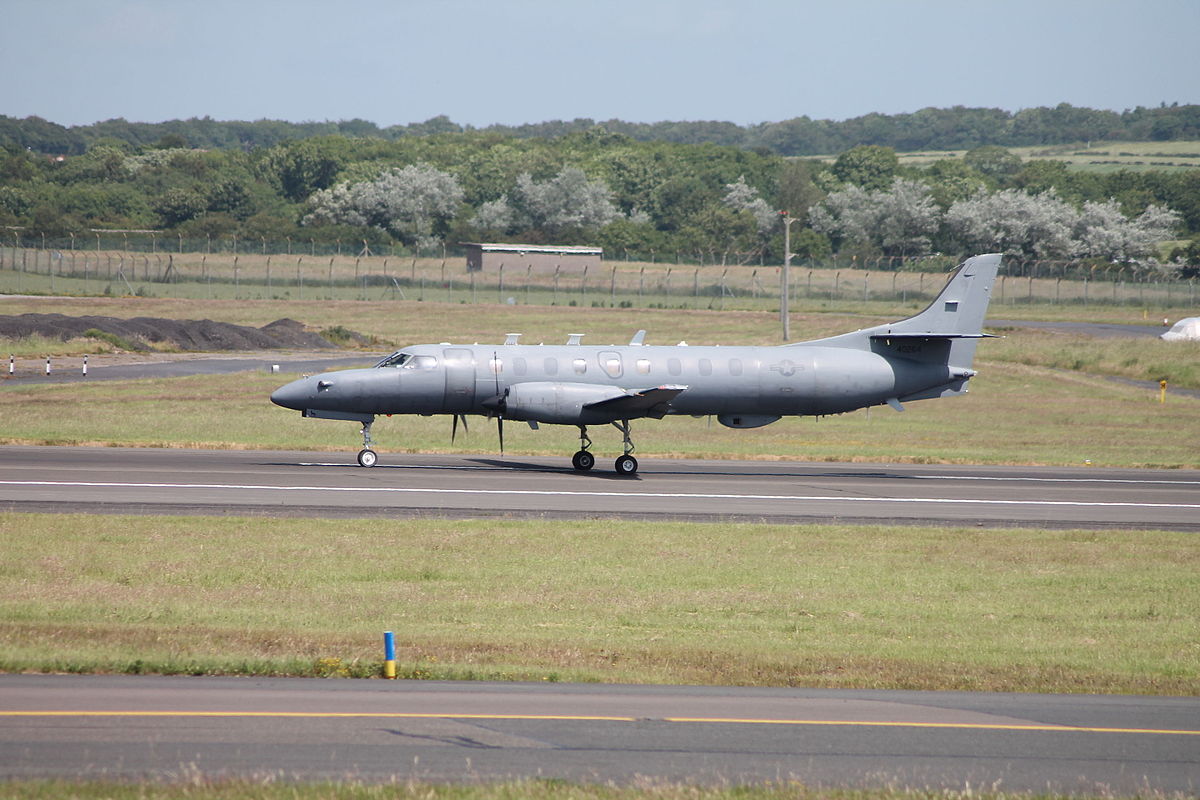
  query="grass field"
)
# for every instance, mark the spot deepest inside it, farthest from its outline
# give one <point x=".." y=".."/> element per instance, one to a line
<point x="1098" y="156"/>
<point x="270" y="789"/>
<point x="778" y="605"/>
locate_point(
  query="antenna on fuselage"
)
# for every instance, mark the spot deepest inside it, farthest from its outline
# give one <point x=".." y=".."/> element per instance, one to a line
<point x="574" y="338"/>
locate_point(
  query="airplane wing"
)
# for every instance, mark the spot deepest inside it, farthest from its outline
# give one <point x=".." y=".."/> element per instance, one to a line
<point x="654" y="403"/>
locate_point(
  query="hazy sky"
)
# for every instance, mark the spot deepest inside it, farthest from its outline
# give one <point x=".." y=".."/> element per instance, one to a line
<point x="513" y="61"/>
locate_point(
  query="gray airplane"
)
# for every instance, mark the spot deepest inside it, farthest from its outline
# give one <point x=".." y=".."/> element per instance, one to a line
<point x="925" y="356"/>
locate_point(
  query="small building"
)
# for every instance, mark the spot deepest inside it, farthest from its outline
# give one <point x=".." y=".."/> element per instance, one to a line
<point x="541" y="257"/>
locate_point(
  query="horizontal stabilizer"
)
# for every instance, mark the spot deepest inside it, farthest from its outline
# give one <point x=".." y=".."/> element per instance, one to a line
<point x="653" y="403"/>
<point x="886" y="336"/>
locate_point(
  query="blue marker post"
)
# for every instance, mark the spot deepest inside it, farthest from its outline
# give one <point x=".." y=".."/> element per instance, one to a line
<point x="389" y="655"/>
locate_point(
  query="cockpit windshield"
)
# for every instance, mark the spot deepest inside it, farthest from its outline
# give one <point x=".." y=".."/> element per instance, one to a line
<point x="408" y="361"/>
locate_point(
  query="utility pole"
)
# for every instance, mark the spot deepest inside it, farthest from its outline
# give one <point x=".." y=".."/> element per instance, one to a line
<point x="784" y="281"/>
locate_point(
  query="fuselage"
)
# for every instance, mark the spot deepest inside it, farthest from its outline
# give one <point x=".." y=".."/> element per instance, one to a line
<point x="801" y="379"/>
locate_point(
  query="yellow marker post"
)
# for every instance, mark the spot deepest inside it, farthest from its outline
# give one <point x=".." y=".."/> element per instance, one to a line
<point x="389" y="656"/>
<point x="1162" y="391"/>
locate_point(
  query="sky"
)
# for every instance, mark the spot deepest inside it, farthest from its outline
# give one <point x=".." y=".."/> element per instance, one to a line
<point x="482" y="62"/>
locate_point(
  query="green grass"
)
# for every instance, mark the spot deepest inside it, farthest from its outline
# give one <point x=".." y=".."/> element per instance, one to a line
<point x="1089" y="156"/>
<point x="777" y="605"/>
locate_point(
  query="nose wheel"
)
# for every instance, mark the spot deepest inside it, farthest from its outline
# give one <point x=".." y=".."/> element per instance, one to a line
<point x="367" y="457"/>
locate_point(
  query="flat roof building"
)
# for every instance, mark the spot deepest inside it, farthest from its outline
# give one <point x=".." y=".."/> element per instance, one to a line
<point x="541" y="257"/>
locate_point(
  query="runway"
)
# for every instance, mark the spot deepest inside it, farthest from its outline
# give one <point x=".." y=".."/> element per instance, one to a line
<point x="126" y="727"/>
<point x="117" y="480"/>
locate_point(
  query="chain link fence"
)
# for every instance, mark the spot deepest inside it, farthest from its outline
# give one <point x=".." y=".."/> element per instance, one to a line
<point x="366" y="275"/>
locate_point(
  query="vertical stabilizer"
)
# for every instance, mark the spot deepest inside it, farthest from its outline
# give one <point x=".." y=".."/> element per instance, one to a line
<point x="957" y="313"/>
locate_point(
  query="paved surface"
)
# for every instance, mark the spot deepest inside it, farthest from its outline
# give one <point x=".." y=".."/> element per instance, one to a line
<point x="316" y="485"/>
<point x="70" y="370"/>
<point x="139" y="727"/>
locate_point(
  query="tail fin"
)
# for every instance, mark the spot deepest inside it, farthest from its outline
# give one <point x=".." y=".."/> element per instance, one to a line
<point x="956" y="314"/>
<point x="944" y="333"/>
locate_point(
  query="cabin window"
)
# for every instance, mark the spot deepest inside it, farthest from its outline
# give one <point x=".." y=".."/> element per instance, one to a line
<point x="643" y="366"/>
<point x="705" y="366"/>
<point x="551" y="366"/>
<point x="580" y="366"/>
<point x="674" y="367"/>
<point x="610" y="362"/>
<point x="735" y="366"/>
<point x="519" y="366"/>
<point x="421" y="362"/>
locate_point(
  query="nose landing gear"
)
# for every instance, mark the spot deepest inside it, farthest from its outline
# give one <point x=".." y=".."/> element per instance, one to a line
<point x="367" y="457"/>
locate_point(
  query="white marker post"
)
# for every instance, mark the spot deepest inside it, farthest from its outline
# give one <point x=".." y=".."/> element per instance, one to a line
<point x="47" y="365"/>
<point x="11" y="364"/>
<point x="85" y="359"/>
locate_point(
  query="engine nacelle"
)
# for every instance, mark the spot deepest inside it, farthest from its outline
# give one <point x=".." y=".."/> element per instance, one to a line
<point x="554" y="403"/>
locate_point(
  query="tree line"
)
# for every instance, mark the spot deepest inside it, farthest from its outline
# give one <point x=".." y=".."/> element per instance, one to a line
<point x="659" y="200"/>
<point x="957" y="128"/>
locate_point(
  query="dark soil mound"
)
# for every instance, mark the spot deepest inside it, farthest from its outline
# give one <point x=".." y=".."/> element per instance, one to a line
<point x="141" y="332"/>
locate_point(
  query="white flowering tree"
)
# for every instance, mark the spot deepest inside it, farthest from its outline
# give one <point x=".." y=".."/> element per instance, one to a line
<point x="1103" y="231"/>
<point x="567" y="201"/>
<point x="1013" y="222"/>
<point x="900" y="221"/>
<point x="409" y="202"/>
<point x="741" y="196"/>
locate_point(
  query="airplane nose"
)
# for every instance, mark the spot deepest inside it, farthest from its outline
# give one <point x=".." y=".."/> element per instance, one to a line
<point x="293" y="395"/>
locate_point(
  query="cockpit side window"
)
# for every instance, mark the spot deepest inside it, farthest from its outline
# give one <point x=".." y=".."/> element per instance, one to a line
<point x="408" y="361"/>
<point x="395" y="360"/>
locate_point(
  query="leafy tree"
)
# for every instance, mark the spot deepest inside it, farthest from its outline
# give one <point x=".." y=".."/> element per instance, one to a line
<point x="993" y="161"/>
<point x="869" y="166"/>
<point x="179" y="205"/>
<point x="797" y="190"/>
<point x="305" y="167"/>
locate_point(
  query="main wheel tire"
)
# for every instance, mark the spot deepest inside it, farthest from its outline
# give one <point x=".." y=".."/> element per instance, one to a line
<point x="626" y="465"/>
<point x="367" y="458"/>
<point x="583" y="461"/>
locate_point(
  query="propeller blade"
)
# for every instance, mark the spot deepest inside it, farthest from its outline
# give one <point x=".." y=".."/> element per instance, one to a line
<point x="500" y="431"/>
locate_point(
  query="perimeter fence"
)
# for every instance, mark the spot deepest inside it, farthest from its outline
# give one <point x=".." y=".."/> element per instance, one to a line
<point x="414" y="276"/>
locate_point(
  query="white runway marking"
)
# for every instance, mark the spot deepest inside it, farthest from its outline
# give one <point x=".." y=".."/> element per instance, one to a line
<point x="1051" y="480"/>
<point x="994" y="478"/>
<point x="550" y="493"/>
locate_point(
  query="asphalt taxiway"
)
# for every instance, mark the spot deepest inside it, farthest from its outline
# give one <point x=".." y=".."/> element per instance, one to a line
<point x="130" y="728"/>
<point x="125" y="480"/>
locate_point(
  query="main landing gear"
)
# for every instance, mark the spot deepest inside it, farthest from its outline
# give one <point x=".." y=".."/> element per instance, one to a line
<point x="584" y="460"/>
<point x="367" y="457"/>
